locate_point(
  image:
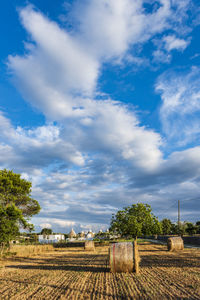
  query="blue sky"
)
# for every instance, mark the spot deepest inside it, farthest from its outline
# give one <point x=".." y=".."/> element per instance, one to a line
<point x="100" y="106"/>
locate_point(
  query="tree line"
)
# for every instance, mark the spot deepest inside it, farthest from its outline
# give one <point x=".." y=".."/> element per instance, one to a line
<point x="138" y="220"/>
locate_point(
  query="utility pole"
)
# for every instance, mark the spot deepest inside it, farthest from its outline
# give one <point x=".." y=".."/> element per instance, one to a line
<point x="179" y="219"/>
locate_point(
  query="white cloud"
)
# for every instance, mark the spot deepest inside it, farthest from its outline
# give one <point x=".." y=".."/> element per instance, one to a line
<point x="45" y="225"/>
<point x="111" y="27"/>
<point x="179" y="112"/>
<point x="172" y="42"/>
<point x="177" y="177"/>
<point x="164" y="46"/>
<point x="160" y="56"/>
<point x="63" y="223"/>
<point x="115" y="130"/>
<point x="56" y="70"/>
<point x="7" y="152"/>
<point x="60" y="68"/>
<point x="36" y="147"/>
<point x="63" y="226"/>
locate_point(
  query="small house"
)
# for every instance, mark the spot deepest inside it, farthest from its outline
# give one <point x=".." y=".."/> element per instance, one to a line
<point x="50" y="238"/>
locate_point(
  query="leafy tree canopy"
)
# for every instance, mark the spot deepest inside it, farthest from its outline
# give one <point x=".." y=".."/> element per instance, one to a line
<point x="191" y="228"/>
<point x="10" y="217"/>
<point x="198" y="227"/>
<point x="14" y="189"/>
<point x="135" y="220"/>
<point x="16" y="206"/>
<point x="166" y="226"/>
<point x="46" y="231"/>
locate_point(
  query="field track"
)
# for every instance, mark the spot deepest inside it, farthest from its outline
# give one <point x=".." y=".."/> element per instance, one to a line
<point x="71" y="273"/>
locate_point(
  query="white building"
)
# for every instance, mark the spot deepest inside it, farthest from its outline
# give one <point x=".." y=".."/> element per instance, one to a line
<point x="50" y="238"/>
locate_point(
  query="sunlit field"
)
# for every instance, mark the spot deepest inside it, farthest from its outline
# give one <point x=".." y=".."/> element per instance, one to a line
<point x="72" y="273"/>
<point x="30" y="250"/>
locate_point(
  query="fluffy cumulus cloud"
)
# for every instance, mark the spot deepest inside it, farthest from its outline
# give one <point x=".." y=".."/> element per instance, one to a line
<point x="93" y="156"/>
<point x="110" y="130"/>
<point x="35" y="147"/>
<point x="61" y="67"/>
<point x="110" y="28"/>
<point x="56" y="70"/>
<point x="172" y="42"/>
<point x="45" y="225"/>
<point x="166" y="45"/>
<point x="180" y="109"/>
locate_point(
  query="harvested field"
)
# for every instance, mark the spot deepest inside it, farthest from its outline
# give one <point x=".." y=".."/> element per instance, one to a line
<point x="72" y="273"/>
<point x="30" y="250"/>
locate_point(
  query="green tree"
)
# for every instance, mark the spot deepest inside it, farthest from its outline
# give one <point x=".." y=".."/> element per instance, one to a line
<point x="166" y="226"/>
<point x="174" y="229"/>
<point x="10" y="218"/>
<point x="33" y="238"/>
<point x="16" y="206"/>
<point x="135" y="220"/>
<point x="14" y="189"/>
<point x="198" y="226"/>
<point x="191" y="228"/>
<point x="179" y="229"/>
<point x="46" y="231"/>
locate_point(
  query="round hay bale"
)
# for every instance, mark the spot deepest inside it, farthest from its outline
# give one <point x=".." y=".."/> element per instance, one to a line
<point x="124" y="257"/>
<point x="175" y="243"/>
<point x="89" y="246"/>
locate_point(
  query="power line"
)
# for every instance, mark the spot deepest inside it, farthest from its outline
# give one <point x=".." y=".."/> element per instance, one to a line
<point x="165" y="211"/>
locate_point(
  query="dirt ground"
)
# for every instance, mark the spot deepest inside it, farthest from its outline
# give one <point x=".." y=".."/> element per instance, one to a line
<point x="71" y="273"/>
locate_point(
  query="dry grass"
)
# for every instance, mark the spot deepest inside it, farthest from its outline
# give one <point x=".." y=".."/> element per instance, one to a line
<point x="30" y="250"/>
<point x="73" y="273"/>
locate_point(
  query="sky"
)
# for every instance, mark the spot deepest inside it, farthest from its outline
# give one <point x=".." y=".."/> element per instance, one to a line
<point x="100" y="107"/>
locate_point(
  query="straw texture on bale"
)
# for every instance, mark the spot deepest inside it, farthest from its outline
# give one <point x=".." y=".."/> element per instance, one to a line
<point x="124" y="257"/>
<point x="89" y="245"/>
<point x="175" y="243"/>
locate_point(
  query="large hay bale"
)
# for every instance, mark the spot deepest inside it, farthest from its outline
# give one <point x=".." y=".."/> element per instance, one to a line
<point x="124" y="257"/>
<point x="89" y="245"/>
<point x="175" y="243"/>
